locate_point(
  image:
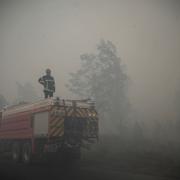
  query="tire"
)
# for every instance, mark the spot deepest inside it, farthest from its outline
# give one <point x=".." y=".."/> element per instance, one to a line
<point x="16" y="152"/>
<point x="26" y="153"/>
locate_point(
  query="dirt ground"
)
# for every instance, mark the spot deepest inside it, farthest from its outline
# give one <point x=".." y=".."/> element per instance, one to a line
<point x="110" y="158"/>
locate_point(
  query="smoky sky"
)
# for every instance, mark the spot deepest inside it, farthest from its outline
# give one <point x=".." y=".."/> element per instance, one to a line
<point x="38" y="34"/>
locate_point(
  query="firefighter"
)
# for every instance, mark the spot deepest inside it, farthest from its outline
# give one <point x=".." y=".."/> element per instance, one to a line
<point x="49" y="84"/>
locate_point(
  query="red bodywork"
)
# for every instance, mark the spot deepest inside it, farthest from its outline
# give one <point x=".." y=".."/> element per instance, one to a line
<point x="69" y="120"/>
<point x="16" y="123"/>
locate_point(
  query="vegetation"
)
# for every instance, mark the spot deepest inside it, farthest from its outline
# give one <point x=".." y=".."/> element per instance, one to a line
<point x="3" y="101"/>
<point x="102" y="77"/>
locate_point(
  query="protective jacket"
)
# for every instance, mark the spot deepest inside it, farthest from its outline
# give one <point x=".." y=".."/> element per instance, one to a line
<point x="48" y="82"/>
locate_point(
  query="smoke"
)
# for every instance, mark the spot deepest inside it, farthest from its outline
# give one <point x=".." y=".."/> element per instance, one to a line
<point x="35" y="35"/>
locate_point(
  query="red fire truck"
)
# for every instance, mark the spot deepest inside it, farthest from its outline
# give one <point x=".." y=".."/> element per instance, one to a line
<point x="46" y="127"/>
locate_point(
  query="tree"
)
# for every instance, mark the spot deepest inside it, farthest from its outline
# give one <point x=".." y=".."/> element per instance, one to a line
<point x="102" y="77"/>
<point x="3" y="101"/>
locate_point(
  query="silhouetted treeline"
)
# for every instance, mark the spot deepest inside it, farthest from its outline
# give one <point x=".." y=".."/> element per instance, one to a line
<point x="102" y="77"/>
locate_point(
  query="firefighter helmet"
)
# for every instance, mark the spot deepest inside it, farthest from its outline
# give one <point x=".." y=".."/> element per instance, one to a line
<point x="48" y="71"/>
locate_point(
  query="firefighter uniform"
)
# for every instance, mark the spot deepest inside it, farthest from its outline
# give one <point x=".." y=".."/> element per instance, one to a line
<point x="49" y="85"/>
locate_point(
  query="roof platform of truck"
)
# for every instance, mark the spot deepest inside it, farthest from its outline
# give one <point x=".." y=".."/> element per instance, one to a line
<point x="25" y="106"/>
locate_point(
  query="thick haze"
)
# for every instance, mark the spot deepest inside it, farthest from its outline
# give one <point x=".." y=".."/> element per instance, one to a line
<point x="35" y="35"/>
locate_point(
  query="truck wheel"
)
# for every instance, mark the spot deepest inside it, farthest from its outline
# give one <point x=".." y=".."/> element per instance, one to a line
<point x="16" y="152"/>
<point x="26" y="153"/>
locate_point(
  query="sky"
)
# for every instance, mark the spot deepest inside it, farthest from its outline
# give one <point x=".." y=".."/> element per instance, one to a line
<point x="38" y="34"/>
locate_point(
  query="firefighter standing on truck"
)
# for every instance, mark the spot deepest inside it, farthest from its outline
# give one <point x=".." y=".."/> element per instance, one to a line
<point x="49" y="84"/>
